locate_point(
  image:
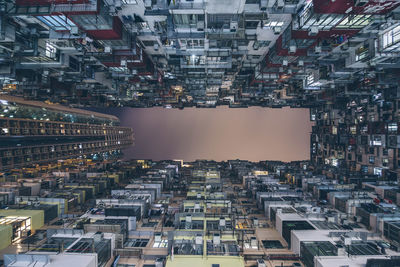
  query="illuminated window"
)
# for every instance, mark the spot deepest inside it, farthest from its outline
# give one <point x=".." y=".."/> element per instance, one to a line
<point x="160" y="244"/>
<point x="362" y="53"/>
<point x="376" y="140"/>
<point x="272" y="24"/>
<point x="390" y="40"/>
<point x="334" y="162"/>
<point x="355" y="22"/>
<point x="51" y="50"/>
<point x="378" y="171"/>
<point x="385" y="162"/>
<point x="192" y="43"/>
<point x="392" y="127"/>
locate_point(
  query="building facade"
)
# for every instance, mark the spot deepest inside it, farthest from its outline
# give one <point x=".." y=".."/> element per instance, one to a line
<point x="33" y="132"/>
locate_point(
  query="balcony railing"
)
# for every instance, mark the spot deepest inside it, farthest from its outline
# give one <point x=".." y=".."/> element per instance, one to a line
<point x="187" y="5"/>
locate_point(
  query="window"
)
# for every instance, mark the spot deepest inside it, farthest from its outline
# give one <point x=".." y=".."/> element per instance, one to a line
<point x="57" y="22"/>
<point x="385" y="152"/>
<point x="264" y="43"/>
<point x="321" y="22"/>
<point x="252" y="24"/>
<point x="355" y="22"/>
<point x="376" y="140"/>
<point x="192" y="43"/>
<point x="224" y="43"/>
<point x="392" y="127"/>
<point x="187" y="20"/>
<point x="93" y="22"/>
<point x="364" y="169"/>
<point x="118" y="69"/>
<point x="148" y="42"/>
<point x="160" y="244"/>
<point x="362" y="53"/>
<point x="353" y="129"/>
<point x="371" y="159"/>
<point x="378" y="171"/>
<point x="129" y="2"/>
<point x="334" y="162"/>
<point x="304" y="43"/>
<point x="390" y="38"/>
<point x="385" y="162"/>
<point x="272" y="24"/>
<point x="310" y="79"/>
<point x="51" y="50"/>
<point x="306" y="13"/>
<point x="136" y="243"/>
<point x="249" y="2"/>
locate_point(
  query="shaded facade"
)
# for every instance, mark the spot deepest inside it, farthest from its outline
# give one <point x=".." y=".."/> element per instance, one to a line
<point x="33" y="132"/>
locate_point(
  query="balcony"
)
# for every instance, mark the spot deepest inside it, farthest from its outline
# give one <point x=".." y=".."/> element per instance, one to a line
<point x="183" y="5"/>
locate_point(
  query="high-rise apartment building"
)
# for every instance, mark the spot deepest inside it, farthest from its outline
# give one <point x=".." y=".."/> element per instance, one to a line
<point x="33" y="132"/>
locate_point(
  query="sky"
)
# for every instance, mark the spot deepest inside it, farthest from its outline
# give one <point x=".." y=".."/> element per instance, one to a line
<point x="221" y="133"/>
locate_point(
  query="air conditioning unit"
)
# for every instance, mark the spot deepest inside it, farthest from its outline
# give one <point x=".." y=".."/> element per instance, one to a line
<point x="256" y="45"/>
<point x="123" y="63"/>
<point x="280" y="4"/>
<point x="200" y="26"/>
<point x="292" y="49"/>
<point x="285" y="62"/>
<point x="263" y="5"/>
<point x="155" y="47"/>
<point x="313" y="31"/>
<point x="301" y="63"/>
<point x="107" y="49"/>
<point x="118" y="4"/>
<point x="318" y="49"/>
<point x="277" y="30"/>
<point x="199" y="239"/>
<point x="233" y="26"/>
<point x="216" y="239"/>
<point x="261" y="263"/>
<point x="147" y="4"/>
